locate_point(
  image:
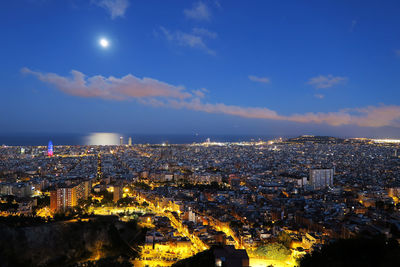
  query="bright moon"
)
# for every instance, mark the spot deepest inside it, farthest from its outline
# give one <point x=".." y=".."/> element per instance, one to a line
<point x="104" y="43"/>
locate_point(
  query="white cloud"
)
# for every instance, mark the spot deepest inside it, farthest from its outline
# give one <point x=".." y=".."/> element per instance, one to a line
<point x="193" y="39"/>
<point x="326" y="81"/>
<point x="152" y="92"/>
<point x="205" y="32"/>
<point x="259" y="79"/>
<point x="199" y="11"/>
<point x="116" y="8"/>
<point x="320" y="96"/>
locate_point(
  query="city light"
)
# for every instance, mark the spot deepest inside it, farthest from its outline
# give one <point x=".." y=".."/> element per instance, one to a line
<point x="394" y="141"/>
<point x="192" y="206"/>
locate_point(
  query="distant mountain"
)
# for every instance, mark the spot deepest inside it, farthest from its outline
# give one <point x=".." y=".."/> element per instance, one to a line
<point x="316" y="139"/>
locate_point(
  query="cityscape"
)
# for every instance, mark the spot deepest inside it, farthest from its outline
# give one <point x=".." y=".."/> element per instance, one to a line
<point x="199" y="133"/>
<point x="266" y="202"/>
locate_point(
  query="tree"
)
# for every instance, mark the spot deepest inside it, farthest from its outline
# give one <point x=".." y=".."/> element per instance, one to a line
<point x="273" y="251"/>
<point x="360" y="251"/>
<point x="284" y="239"/>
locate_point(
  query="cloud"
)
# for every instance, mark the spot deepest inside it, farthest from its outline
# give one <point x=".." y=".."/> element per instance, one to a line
<point x="397" y="52"/>
<point x="379" y="116"/>
<point x="368" y="117"/>
<point x="259" y="79"/>
<point x="326" y="81"/>
<point x="116" y="8"/>
<point x="152" y="92"/>
<point x="99" y="86"/>
<point x="200" y="93"/>
<point x="195" y="39"/>
<point x="205" y="32"/>
<point x="320" y="96"/>
<point x="199" y="11"/>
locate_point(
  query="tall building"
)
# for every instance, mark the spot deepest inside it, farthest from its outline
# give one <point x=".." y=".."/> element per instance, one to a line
<point x="321" y="178"/>
<point x="63" y="198"/>
<point x="121" y="140"/>
<point x="130" y="141"/>
<point x="117" y="194"/>
<point x="50" y="149"/>
<point x="68" y="196"/>
<point x="83" y="190"/>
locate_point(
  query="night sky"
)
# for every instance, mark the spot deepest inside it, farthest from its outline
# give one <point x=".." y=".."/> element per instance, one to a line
<point x="207" y="67"/>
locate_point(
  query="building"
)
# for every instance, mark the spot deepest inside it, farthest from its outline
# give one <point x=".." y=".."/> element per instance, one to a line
<point x="63" y="198"/>
<point x="117" y="194"/>
<point x="83" y="190"/>
<point x="6" y="189"/>
<point x="121" y="140"/>
<point x="321" y="178"/>
<point x="68" y="196"/>
<point x="130" y="141"/>
<point x="22" y="190"/>
<point x="50" y="149"/>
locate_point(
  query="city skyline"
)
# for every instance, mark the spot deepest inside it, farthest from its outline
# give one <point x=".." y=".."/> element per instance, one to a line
<point x="206" y="67"/>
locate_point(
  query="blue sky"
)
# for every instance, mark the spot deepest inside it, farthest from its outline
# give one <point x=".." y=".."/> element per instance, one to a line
<point x="207" y="67"/>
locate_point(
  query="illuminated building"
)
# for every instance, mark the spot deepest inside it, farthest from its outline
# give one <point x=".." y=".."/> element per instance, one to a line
<point x="83" y="190"/>
<point x="68" y="196"/>
<point x="130" y="141"/>
<point x="321" y="178"/>
<point x="117" y="194"/>
<point x="50" y="149"/>
<point x="121" y="141"/>
<point x="63" y="198"/>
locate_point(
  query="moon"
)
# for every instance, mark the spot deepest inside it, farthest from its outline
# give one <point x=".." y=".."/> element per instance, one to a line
<point x="104" y="42"/>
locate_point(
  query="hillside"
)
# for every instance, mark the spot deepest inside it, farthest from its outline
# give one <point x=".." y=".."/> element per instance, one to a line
<point x="68" y="242"/>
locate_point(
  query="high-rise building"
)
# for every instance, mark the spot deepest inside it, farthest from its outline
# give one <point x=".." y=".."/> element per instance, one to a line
<point x="130" y="141"/>
<point x="83" y="190"/>
<point x="63" y="198"/>
<point x="121" y="140"/>
<point x="68" y="196"/>
<point x="321" y="178"/>
<point x="117" y="194"/>
<point x="50" y="149"/>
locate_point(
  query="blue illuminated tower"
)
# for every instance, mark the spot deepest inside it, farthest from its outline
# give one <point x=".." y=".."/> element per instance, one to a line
<point x="50" y="149"/>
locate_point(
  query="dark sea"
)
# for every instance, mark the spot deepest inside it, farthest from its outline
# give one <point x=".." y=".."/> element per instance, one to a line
<point x="114" y="139"/>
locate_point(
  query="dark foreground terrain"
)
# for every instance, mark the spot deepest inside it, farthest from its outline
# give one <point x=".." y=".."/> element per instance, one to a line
<point x="93" y="242"/>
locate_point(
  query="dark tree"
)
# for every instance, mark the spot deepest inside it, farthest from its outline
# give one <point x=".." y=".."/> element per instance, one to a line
<point x="362" y="251"/>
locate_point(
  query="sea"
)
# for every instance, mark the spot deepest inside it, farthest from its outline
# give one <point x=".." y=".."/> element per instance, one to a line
<point x="98" y="138"/>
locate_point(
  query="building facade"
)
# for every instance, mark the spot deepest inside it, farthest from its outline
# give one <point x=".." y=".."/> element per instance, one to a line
<point x="321" y="178"/>
<point x="63" y="198"/>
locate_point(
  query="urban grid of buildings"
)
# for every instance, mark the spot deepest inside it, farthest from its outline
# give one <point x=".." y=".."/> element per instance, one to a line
<point x="307" y="190"/>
